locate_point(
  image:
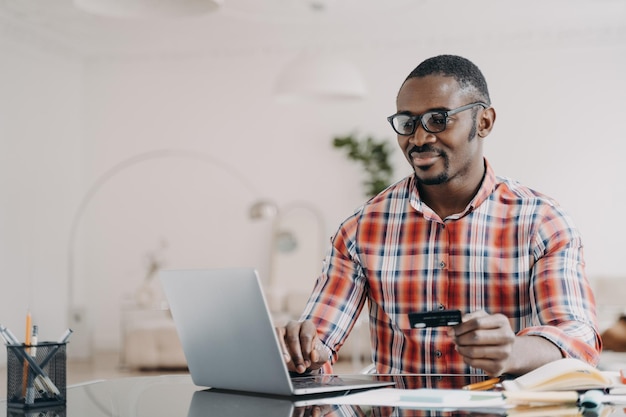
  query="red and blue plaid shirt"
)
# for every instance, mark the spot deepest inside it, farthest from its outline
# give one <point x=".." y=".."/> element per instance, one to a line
<point x="512" y="251"/>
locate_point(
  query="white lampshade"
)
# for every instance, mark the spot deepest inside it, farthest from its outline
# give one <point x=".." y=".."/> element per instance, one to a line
<point x="148" y="8"/>
<point x="320" y="76"/>
<point x="263" y="209"/>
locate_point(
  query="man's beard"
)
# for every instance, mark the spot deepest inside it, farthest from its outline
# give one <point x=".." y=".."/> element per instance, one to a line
<point x="439" y="179"/>
<point x="442" y="178"/>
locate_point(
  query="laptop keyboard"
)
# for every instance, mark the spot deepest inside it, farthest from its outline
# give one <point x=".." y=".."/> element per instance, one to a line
<point x="316" y="381"/>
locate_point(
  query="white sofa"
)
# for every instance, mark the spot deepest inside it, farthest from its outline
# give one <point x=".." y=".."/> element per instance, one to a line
<point x="150" y="340"/>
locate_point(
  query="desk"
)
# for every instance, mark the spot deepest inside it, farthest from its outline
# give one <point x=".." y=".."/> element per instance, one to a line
<point x="176" y="396"/>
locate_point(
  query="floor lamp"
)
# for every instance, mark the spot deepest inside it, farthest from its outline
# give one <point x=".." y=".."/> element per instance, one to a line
<point x="76" y="313"/>
<point x="297" y="247"/>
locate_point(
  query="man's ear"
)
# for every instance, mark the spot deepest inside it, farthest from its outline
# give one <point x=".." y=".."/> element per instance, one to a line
<point x="486" y="122"/>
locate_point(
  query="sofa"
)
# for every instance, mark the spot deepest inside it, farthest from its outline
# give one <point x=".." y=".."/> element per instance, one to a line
<point x="150" y="340"/>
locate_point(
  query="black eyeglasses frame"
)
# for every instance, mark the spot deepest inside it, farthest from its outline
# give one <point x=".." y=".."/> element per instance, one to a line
<point x="418" y="119"/>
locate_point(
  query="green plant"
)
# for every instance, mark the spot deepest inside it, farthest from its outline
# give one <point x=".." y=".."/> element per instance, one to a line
<point x="373" y="155"/>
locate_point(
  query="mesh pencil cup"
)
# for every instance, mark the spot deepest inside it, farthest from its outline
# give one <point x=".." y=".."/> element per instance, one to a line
<point x="36" y="375"/>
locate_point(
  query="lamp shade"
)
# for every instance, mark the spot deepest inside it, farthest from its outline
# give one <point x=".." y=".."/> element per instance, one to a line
<point x="320" y="76"/>
<point x="148" y="8"/>
<point x="263" y="209"/>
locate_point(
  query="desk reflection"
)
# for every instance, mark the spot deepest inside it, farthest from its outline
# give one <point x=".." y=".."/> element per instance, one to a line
<point x="177" y="396"/>
<point x="223" y="403"/>
<point x="219" y="403"/>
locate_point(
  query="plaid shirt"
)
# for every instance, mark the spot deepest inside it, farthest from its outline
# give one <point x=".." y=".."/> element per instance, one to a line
<point x="512" y="251"/>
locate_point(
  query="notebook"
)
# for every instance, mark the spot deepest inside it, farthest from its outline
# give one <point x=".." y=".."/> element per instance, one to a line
<point x="228" y="338"/>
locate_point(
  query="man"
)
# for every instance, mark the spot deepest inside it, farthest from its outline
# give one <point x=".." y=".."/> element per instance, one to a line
<point x="452" y="235"/>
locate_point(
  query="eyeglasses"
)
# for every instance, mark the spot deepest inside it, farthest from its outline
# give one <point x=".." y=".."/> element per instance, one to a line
<point x="432" y="121"/>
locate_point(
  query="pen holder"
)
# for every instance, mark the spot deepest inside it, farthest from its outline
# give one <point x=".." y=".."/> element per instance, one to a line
<point x="36" y="375"/>
<point x="52" y="411"/>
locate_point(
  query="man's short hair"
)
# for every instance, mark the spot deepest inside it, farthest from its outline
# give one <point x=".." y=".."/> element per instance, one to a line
<point x="465" y="72"/>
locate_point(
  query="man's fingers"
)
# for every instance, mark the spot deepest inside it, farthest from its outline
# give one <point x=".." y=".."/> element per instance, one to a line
<point x="280" y="332"/>
<point x="308" y="335"/>
<point x="295" y="348"/>
<point x="474" y="314"/>
<point x="314" y="351"/>
<point x="484" y="340"/>
<point x="301" y="347"/>
<point x="478" y="321"/>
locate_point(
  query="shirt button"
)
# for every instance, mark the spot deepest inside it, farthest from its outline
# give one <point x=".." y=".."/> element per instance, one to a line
<point x="442" y="264"/>
<point x="441" y="307"/>
<point x="438" y="353"/>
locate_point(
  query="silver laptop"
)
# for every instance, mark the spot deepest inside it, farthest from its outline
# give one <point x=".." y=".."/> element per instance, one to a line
<point x="228" y="337"/>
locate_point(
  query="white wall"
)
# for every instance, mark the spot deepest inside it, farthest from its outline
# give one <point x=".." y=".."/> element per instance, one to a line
<point x="560" y="102"/>
<point x="40" y="162"/>
<point x="560" y="131"/>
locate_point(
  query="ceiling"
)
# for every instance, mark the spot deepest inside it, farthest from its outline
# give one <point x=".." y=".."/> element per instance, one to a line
<point x="280" y="24"/>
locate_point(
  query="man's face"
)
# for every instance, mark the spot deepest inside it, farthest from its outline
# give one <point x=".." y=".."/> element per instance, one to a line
<point x="438" y="158"/>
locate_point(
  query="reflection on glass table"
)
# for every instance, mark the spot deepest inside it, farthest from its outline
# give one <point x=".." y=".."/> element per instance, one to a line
<point x="176" y="395"/>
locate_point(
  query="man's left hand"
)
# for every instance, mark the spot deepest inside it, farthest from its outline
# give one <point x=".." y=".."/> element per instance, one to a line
<point x="485" y="341"/>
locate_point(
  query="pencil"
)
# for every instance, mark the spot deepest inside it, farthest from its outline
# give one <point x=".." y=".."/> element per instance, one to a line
<point x="483" y="385"/>
<point x="29" y="330"/>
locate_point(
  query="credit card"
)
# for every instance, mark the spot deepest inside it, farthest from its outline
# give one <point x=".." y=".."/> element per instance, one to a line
<point x="435" y="318"/>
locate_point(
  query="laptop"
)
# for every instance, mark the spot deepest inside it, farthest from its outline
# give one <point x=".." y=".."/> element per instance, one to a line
<point x="228" y="338"/>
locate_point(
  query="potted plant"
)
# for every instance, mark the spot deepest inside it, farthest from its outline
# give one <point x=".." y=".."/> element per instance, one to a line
<point x="373" y="155"/>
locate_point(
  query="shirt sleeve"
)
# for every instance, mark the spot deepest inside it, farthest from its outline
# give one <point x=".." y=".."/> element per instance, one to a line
<point x="561" y="295"/>
<point x="340" y="291"/>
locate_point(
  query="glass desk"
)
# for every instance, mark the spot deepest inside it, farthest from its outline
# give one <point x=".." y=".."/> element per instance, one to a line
<point x="177" y="396"/>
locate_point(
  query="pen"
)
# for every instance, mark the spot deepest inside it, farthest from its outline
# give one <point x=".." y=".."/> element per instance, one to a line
<point x="64" y="338"/>
<point x="483" y="385"/>
<point x="8" y="336"/>
<point x="3" y="334"/>
<point x="33" y="341"/>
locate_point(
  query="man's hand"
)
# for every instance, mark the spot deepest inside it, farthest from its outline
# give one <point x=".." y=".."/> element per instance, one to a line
<point x="301" y="347"/>
<point x="312" y="411"/>
<point x="485" y="341"/>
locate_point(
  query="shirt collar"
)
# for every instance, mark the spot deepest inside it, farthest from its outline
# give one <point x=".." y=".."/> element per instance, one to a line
<point x="486" y="188"/>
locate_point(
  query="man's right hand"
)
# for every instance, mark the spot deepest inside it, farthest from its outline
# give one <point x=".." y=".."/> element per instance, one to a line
<point x="302" y="349"/>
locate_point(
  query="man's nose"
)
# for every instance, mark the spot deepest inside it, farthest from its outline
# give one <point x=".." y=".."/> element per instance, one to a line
<point x="421" y="136"/>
